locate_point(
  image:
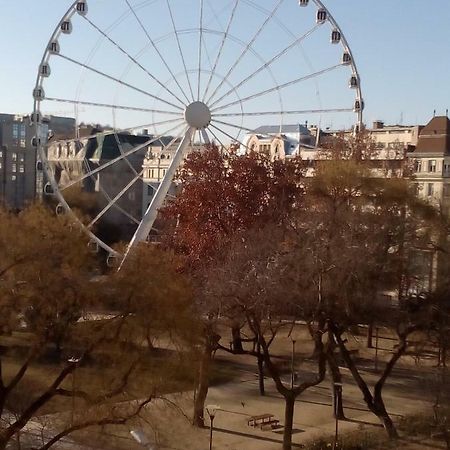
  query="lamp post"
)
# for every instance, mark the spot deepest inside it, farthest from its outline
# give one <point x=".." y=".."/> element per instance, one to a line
<point x="73" y="361"/>
<point x="292" y="364"/>
<point x="337" y="392"/>
<point x="211" y="410"/>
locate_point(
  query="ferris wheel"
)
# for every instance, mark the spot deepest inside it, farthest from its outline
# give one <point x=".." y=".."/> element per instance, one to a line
<point x="148" y="81"/>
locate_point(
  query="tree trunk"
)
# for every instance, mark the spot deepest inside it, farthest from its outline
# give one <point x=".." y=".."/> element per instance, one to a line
<point x="260" y="370"/>
<point x="370" y="335"/>
<point x="261" y="375"/>
<point x="202" y="387"/>
<point x="288" y="421"/>
<point x="336" y="377"/>
<point x="237" y="340"/>
<point x="379" y="409"/>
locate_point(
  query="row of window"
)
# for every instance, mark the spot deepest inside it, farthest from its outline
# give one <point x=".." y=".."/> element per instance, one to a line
<point x="430" y="189"/>
<point x="19" y="130"/>
<point x="431" y="166"/>
<point x="156" y="173"/>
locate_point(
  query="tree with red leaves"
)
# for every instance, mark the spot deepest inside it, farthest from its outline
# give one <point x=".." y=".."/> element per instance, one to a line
<point x="222" y="195"/>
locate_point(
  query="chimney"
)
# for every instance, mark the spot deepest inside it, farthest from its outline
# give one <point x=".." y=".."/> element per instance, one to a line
<point x="378" y="125"/>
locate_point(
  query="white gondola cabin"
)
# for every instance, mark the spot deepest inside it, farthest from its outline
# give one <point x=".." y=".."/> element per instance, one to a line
<point x="35" y="141"/>
<point x="359" y="106"/>
<point x="38" y="93"/>
<point x="321" y="16"/>
<point x="82" y="7"/>
<point x="346" y="59"/>
<point x="335" y="37"/>
<point x="48" y="190"/>
<point x="353" y="83"/>
<point x="66" y="27"/>
<point x="35" y="117"/>
<point x="93" y="246"/>
<point x="53" y="47"/>
<point x="44" y="70"/>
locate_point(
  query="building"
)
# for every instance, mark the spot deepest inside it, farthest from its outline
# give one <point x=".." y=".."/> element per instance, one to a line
<point x="391" y="144"/>
<point x="117" y="196"/>
<point x="431" y="162"/>
<point x="19" y="178"/>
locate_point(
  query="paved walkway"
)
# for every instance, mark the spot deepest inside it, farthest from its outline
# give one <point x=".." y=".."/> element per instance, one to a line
<point x="313" y="416"/>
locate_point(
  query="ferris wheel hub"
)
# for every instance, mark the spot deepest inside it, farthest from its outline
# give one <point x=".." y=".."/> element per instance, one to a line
<point x="197" y="115"/>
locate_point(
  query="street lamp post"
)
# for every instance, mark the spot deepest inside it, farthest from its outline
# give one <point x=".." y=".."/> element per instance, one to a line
<point x="292" y="364"/>
<point x="211" y="410"/>
<point x="73" y="361"/>
<point x="337" y="393"/>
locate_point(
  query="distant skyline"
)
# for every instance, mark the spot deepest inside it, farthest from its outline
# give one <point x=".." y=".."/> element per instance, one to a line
<point x="401" y="47"/>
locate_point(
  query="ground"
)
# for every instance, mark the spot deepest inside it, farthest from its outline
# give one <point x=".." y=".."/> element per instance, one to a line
<point x="235" y="390"/>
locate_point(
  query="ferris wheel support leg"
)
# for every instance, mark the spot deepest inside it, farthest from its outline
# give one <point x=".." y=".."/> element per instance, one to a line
<point x="150" y="215"/>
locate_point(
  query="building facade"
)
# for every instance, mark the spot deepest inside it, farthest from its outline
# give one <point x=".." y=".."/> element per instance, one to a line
<point x="431" y="162"/>
<point x="20" y="177"/>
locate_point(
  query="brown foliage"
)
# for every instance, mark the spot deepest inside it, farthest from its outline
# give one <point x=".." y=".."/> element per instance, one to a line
<point x="225" y="194"/>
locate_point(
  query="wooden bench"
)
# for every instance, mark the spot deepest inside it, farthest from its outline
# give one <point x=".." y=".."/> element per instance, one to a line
<point x="266" y="426"/>
<point x="261" y="419"/>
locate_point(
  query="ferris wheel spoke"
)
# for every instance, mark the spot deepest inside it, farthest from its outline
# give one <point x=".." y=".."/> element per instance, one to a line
<point x="152" y="42"/>
<point x="281" y="86"/>
<point x="205" y="136"/>
<point x="200" y="45"/>
<point x="292" y="45"/>
<point x="183" y="60"/>
<point x="119" y="158"/>
<point x="108" y="105"/>
<point x="137" y="63"/>
<point x="217" y="138"/>
<point x="283" y="113"/>
<point x="114" y="201"/>
<point x="121" y="130"/>
<point x="222" y="44"/>
<point x="247" y="48"/>
<point x="233" y="139"/>
<point x="149" y="218"/>
<point x="123" y="83"/>
<point x="118" y="207"/>
<point x="228" y="124"/>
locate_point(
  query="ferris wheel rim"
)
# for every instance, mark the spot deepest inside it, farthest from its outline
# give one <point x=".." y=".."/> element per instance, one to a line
<point x="216" y="118"/>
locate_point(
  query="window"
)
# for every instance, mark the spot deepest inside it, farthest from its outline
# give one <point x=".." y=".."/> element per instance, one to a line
<point x="21" y="158"/>
<point x="432" y="165"/>
<point x="430" y="189"/>
<point x="418" y="165"/>
<point x="13" y="177"/>
<point x="14" y="156"/>
<point x="1" y="165"/>
<point x="22" y="131"/>
<point x="1" y="154"/>
<point x="22" y="143"/>
<point x="14" y="168"/>
<point x="15" y="130"/>
<point x="21" y="168"/>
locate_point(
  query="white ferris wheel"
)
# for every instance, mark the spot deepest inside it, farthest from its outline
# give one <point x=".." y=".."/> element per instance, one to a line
<point x="163" y="77"/>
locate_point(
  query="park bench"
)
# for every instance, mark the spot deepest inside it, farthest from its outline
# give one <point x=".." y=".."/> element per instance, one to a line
<point x="264" y="421"/>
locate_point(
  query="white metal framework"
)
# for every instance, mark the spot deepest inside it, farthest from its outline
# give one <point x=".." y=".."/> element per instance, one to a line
<point x="205" y="74"/>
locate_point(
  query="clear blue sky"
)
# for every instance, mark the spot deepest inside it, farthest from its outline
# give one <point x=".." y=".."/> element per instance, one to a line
<point x="402" y="48"/>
